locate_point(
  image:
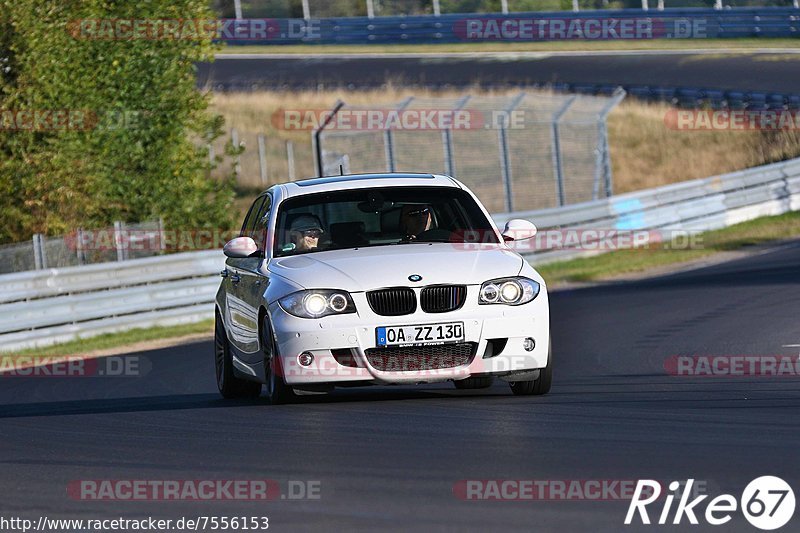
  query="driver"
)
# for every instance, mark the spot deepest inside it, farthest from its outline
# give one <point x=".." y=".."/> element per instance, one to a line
<point x="305" y="232"/>
<point x="415" y="219"/>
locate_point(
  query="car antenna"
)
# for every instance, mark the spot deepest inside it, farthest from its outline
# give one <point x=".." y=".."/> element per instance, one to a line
<point x="341" y="170"/>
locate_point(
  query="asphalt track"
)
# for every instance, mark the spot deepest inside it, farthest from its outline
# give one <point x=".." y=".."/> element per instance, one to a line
<point x="767" y="71"/>
<point x="388" y="458"/>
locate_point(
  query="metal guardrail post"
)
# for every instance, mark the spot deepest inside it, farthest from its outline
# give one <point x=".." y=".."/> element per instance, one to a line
<point x="262" y="159"/>
<point x="447" y="140"/>
<point x="505" y="157"/>
<point x="388" y="138"/>
<point x="316" y="140"/>
<point x="555" y="135"/>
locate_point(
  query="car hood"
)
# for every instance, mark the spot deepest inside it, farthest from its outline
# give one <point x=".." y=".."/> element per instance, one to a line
<point x="365" y="269"/>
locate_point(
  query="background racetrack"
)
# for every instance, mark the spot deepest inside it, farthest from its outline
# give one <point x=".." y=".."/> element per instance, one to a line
<point x="388" y="457"/>
<point x="768" y="72"/>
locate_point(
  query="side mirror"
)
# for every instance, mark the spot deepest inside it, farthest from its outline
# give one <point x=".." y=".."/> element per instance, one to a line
<point x="518" y="229"/>
<point x="240" y="247"/>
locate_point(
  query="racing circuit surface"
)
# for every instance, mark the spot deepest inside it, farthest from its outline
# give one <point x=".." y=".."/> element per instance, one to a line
<point x="768" y="71"/>
<point x="389" y="457"/>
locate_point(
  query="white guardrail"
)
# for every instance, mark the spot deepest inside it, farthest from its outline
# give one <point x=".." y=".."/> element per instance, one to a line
<point x="45" y="307"/>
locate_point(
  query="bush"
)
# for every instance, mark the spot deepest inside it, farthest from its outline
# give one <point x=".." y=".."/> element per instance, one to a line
<point x="134" y="151"/>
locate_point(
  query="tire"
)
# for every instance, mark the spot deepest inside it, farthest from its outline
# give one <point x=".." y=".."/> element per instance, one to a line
<point x="536" y="387"/>
<point x="228" y="384"/>
<point x="278" y="391"/>
<point x="483" y="382"/>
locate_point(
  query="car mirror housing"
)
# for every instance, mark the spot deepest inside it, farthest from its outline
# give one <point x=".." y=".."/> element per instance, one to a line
<point x="518" y="229"/>
<point x="240" y="247"/>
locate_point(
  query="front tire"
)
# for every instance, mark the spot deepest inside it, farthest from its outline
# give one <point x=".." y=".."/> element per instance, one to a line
<point x="278" y="391"/>
<point x="228" y="384"/>
<point x="539" y="386"/>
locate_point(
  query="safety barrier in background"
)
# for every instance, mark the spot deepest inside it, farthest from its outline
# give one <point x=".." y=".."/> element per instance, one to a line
<point x="381" y="8"/>
<point x="458" y="28"/>
<point x="48" y="306"/>
<point x="549" y="149"/>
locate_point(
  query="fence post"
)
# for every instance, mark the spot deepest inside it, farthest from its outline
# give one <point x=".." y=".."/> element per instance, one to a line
<point x="575" y="5"/>
<point x="504" y="6"/>
<point x="558" y="170"/>
<point x="79" y="247"/>
<point x="437" y="10"/>
<point x="290" y="159"/>
<point x="447" y="140"/>
<point x="644" y="5"/>
<point x="237" y="7"/>
<point x="718" y="4"/>
<point x="118" y="241"/>
<point x="388" y="138"/>
<point x="262" y="159"/>
<point x="604" y="165"/>
<point x="505" y="157"/>
<point x="316" y="137"/>
<point x="211" y="153"/>
<point x="370" y="9"/>
<point x="161" y="237"/>
<point x="237" y="167"/>
<point x="661" y="5"/>
<point x="306" y="10"/>
<point x="39" y="254"/>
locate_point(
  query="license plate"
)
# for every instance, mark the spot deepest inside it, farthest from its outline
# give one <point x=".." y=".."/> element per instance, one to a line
<point x="450" y="332"/>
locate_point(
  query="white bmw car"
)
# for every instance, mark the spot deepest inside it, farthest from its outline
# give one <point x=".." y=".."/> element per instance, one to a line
<point x="378" y="279"/>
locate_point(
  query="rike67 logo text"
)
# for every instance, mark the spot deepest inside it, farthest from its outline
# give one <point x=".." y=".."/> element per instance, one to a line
<point x="767" y="503"/>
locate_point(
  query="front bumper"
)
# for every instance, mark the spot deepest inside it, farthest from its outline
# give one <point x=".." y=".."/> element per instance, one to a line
<point x="483" y="324"/>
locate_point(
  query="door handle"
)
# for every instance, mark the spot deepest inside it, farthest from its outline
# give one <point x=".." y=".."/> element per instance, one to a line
<point x="224" y="273"/>
<point x="235" y="278"/>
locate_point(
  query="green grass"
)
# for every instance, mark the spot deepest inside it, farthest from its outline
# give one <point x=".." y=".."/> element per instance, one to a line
<point x="124" y="338"/>
<point x="520" y="46"/>
<point x="751" y="233"/>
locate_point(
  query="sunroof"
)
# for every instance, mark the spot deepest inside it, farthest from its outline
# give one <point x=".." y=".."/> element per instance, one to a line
<point x="337" y="179"/>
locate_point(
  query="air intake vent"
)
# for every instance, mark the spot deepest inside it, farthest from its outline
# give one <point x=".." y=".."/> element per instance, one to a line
<point x="416" y="359"/>
<point x="392" y="302"/>
<point x="443" y="298"/>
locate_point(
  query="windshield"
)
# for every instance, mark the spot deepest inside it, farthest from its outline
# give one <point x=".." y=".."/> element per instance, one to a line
<point x="379" y="217"/>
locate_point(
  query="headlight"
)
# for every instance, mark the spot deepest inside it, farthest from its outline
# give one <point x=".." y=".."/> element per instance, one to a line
<point x="318" y="303"/>
<point x="509" y="291"/>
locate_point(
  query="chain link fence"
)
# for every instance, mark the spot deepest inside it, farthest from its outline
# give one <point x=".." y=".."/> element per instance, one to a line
<point x="383" y="8"/>
<point x="517" y="153"/>
<point x="84" y="247"/>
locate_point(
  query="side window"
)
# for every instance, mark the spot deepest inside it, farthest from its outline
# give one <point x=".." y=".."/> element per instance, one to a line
<point x="248" y="220"/>
<point x="258" y="228"/>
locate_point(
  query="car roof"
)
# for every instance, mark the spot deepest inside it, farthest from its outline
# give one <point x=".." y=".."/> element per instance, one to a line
<point x="363" y="181"/>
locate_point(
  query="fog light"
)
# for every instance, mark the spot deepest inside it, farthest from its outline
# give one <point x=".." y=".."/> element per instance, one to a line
<point x="529" y="344"/>
<point x="305" y="358"/>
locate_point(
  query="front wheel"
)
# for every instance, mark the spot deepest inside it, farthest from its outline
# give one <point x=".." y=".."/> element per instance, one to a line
<point x="228" y="384"/>
<point x="277" y="390"/>
<point x="539" y="386"/>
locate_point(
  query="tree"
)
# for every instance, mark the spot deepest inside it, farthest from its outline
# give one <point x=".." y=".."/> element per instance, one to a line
<point x="128" y="145"/>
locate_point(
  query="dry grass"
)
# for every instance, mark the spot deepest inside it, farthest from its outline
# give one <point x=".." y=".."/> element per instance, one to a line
<point x="644" y="152"/>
